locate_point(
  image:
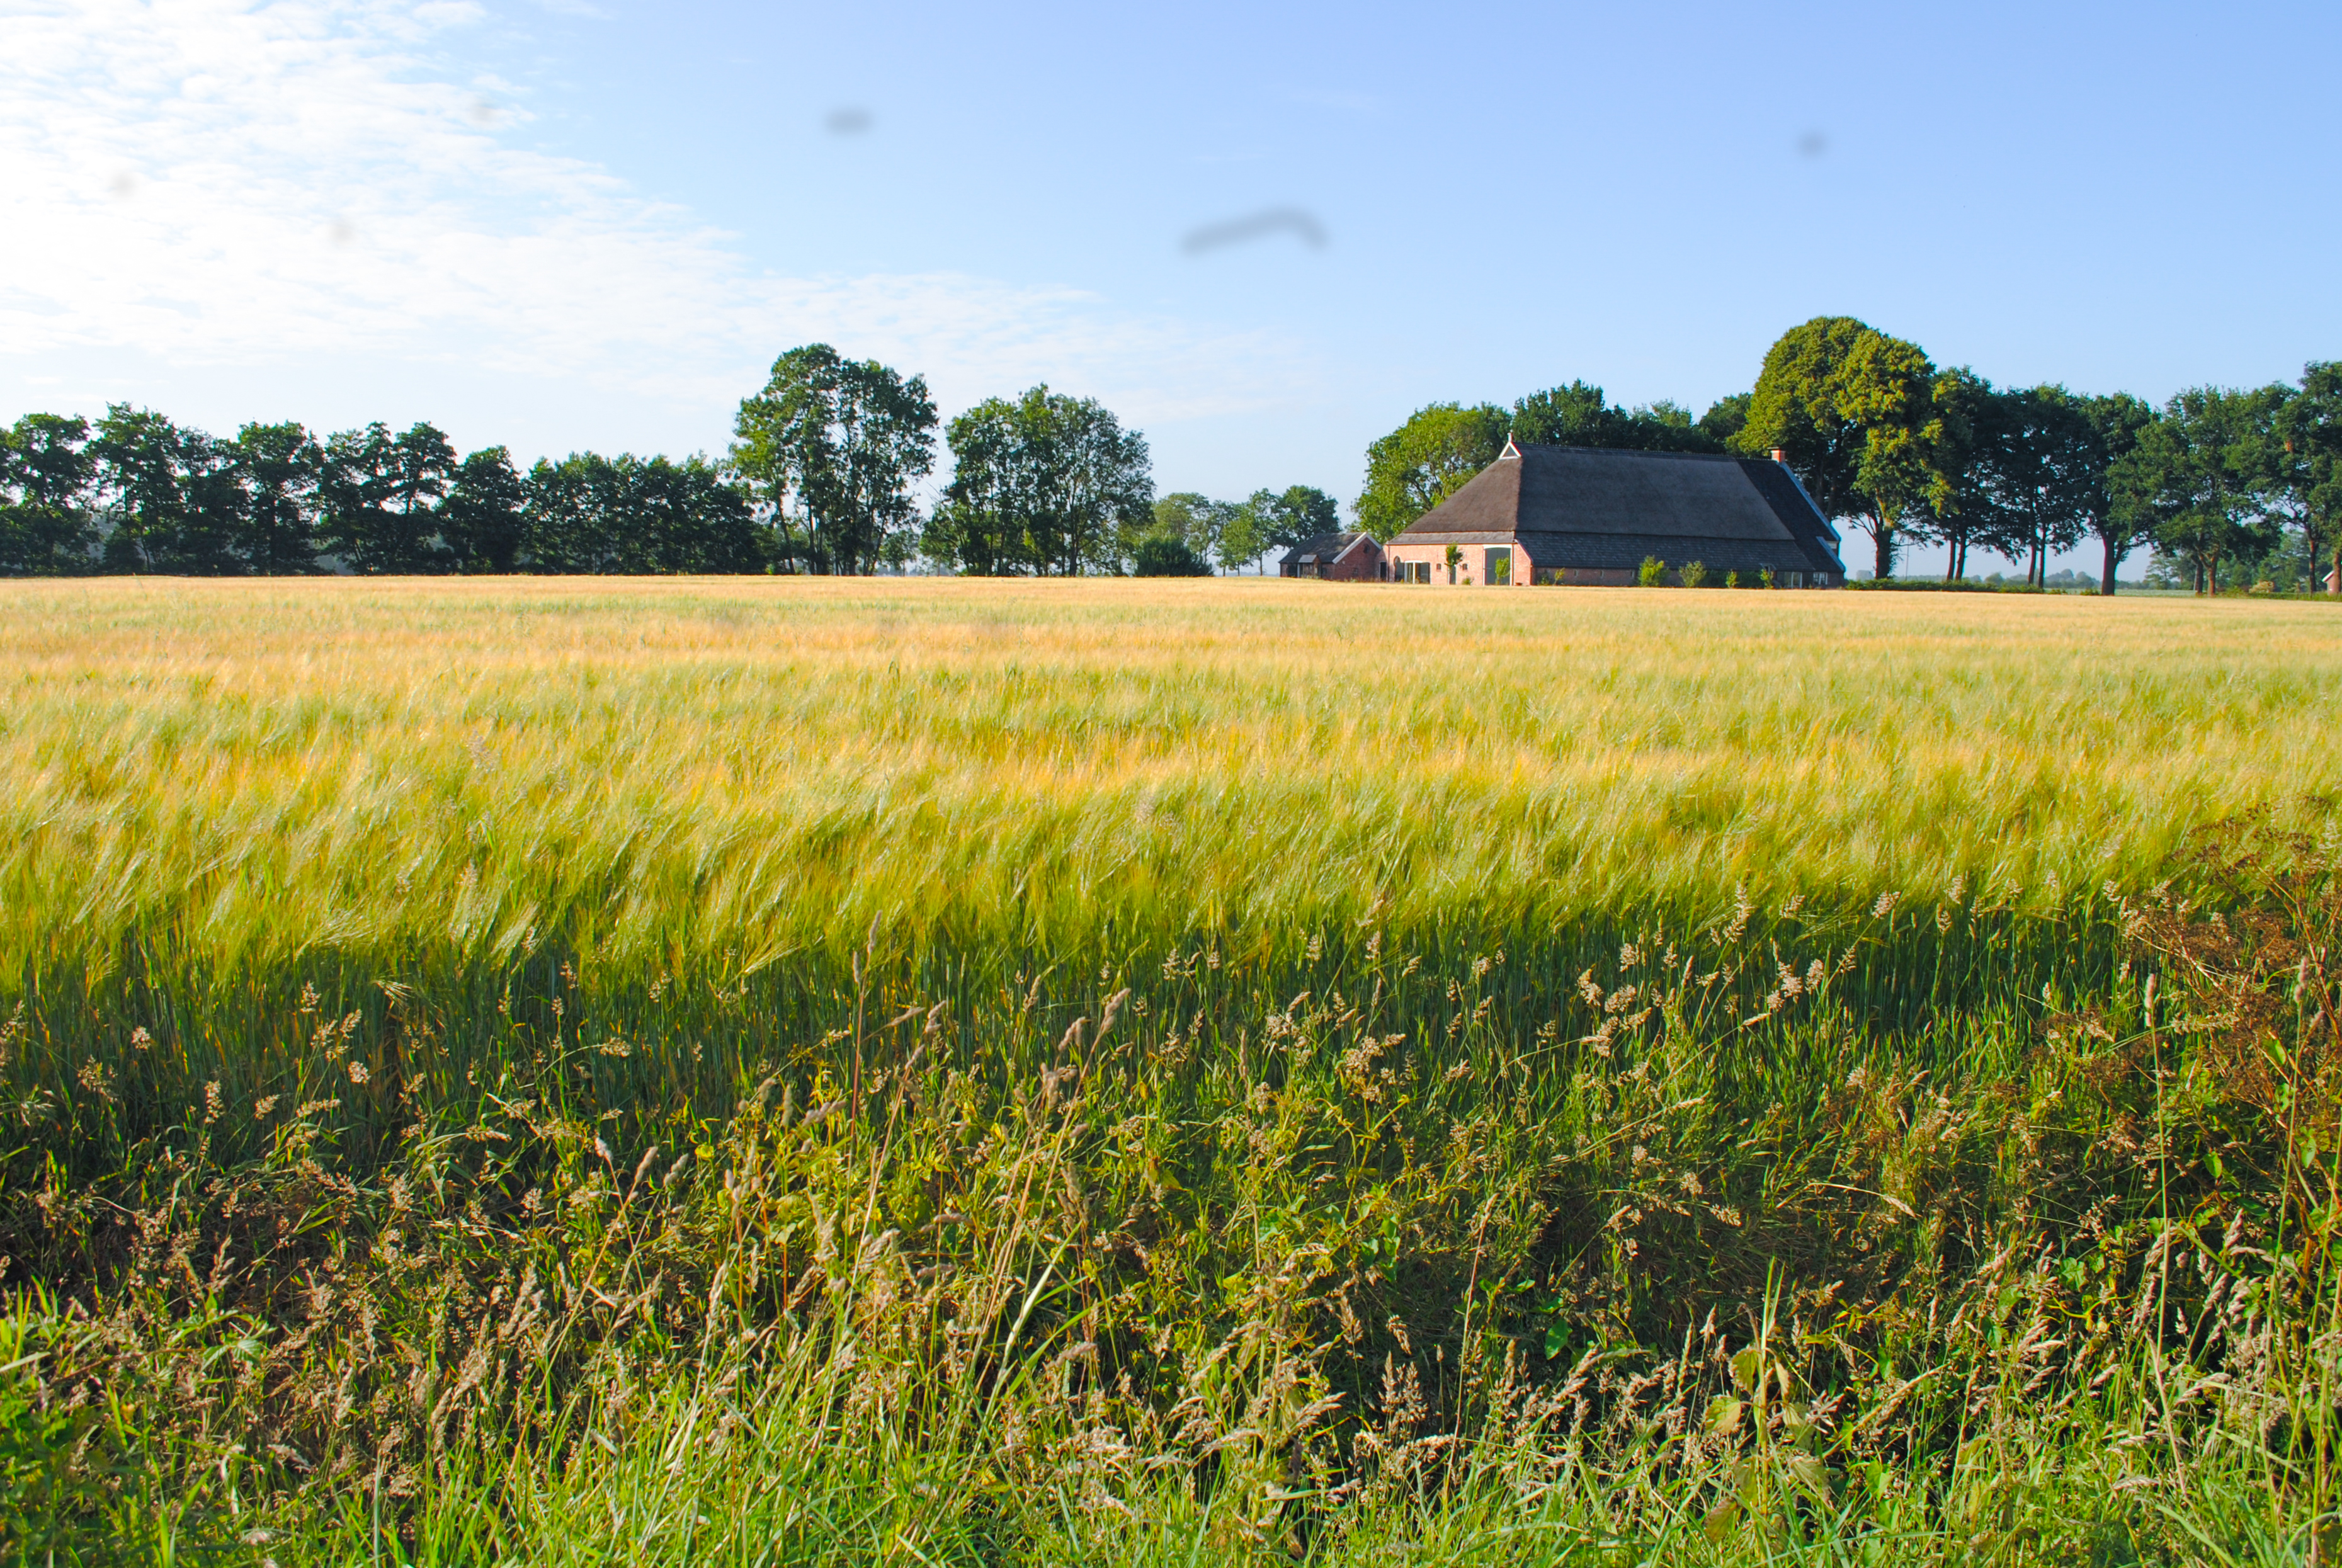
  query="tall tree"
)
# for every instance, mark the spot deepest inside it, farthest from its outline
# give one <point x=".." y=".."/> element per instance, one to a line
<point x="2116" y="421"/>
<point x="1580" y="415"/>
<point x="47" y="471"/>
<point x="1244" y="538"/>
<point x="1795" y="411"/>
<point x="483" y="519"/>
<point x="832" y="447"/>
<point x="2309" y="463"/>
<point x="2040" y="458"/>
<point x="275" y="469"/>
<point x="1726" y="418"/>
<point x="1426" y="460"/>
<point x="1886" y="389"/>
<point x="2197" y="473"/>
<point x="1046" y="484"/>
<point x="1960" y="507"/>
<point x="1197" y="521"/>
<point x="382" y="494"/>
<point x="1296" y="513"/>
<point x="1853" y="410"/>
<point x="138" y="454"/>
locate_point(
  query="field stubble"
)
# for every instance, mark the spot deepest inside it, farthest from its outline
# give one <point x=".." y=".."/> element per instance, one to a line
<point x="935" y="1071"/>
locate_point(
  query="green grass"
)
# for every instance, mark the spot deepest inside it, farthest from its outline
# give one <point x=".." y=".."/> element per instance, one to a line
<point x="946" y="1072"/>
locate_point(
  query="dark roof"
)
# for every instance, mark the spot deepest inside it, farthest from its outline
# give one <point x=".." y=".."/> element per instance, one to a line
<point x="1325" y="549"/>
<point x="1580" y="506"/>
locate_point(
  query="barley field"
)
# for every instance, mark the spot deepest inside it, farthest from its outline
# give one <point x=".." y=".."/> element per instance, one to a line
<point x="923" y="1071"/>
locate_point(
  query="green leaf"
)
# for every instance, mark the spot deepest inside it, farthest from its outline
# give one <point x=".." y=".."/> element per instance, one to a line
<point x="1723" y="1416"/>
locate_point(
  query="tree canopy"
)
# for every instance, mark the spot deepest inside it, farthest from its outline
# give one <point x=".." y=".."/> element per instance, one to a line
<point x="832" y="447"/>
<point x="1046" y="485"/>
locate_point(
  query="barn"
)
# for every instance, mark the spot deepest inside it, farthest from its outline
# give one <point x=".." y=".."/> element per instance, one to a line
<point x="1577" y="515"/>
<point x="1341" y="557"/>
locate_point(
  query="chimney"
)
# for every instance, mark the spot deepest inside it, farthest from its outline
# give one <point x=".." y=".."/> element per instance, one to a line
<point x="1779" y="455"/>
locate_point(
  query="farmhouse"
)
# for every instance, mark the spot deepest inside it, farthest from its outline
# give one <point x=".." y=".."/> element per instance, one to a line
<point x="1342" y="557"/>
<point x="1575" y="515"/>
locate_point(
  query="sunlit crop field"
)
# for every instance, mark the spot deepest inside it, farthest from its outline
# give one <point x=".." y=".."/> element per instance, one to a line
<point x="661" y="771"/>
<point x="938" y="1071"/>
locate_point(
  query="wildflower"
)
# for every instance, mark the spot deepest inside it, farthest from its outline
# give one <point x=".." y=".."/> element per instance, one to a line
<point x="140" y="1039"/>
<point x="358" y="1073"/>
<point x="261" y="1108"/>
<point x="213" y="1102"/>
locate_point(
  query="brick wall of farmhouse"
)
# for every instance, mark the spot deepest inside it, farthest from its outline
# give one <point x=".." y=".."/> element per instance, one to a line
<point x="1363" y="564"/>
<point x="1472" y="567"/>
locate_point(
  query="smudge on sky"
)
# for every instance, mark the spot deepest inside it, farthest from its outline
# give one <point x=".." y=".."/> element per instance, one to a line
<point x="847" y="122"/>
<point x="1256" y="225"/>
<point x="1811" y="145"/>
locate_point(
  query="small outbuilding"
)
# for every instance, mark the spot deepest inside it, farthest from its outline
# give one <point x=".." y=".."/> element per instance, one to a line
<point x="1579" y="514"/>
<point x="1339" y="557"/>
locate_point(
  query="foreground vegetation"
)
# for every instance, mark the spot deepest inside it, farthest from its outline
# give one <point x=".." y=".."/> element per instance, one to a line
<point x="950" y="1072"/>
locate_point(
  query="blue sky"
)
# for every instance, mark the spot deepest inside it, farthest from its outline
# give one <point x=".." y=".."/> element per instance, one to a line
<point x="573" y="225"/>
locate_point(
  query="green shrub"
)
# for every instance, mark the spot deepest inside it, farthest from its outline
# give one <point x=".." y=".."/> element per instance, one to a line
<point x="1655" y="572"/>
<point x="1695" y="574"/>
<point x="1161" y="555"/>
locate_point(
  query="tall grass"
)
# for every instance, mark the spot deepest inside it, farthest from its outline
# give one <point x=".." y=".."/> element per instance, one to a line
<point x="938" y="1073"/>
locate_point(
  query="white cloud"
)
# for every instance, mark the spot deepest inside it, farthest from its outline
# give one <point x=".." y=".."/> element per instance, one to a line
<point x="221" y="181"/>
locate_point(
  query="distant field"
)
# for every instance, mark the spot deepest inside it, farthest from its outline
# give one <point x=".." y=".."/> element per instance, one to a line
<point x="650" y="771"/>
<point x="1118" y="1073"/>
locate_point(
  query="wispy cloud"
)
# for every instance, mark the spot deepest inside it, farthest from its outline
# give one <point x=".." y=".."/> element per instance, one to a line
<point x="210" y="180"/>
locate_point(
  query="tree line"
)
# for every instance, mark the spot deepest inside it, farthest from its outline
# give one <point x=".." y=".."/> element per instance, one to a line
<point x="821" y="477"/>
<point x="2221" y="483"/>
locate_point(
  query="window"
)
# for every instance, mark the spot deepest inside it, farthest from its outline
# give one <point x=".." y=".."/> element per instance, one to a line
<point x="1499" y="570"/>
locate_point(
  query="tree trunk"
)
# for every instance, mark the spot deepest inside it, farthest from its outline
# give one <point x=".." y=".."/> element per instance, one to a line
<point x="2107" y="586"/>
<point x="1883" y="568"/>
<point x="2334" y="572"/>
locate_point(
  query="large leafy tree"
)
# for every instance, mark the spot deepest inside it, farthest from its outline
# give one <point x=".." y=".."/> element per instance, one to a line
<point x="47" y="471"/>
<point x="1196" y="523"/>
<point x="1726" y="418"/>
<point x="1294" y="513"/>
<point x="1046" y="483"/>
<point x="2116" y="421"/>
<point x="2308" y="457"/>
<point x="276" y="468"/>
<point x="2041" y="460"/>
<point x="1959" y="505"/>
<point x="1580" y="415"/>
<point x="138" y="454"/>
<point x="2198" y="477"/>
<point x="1886" y="388"/>
<point x="1426" y="460"/>
<point x="1795" y="410"/>
<point x="1853" y="410"/>
<point x="483" y="521"/>
<point x="832" y="447"/>
<point x="382" y="494"/>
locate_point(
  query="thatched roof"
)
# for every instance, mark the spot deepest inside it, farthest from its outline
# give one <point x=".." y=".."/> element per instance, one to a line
<point x="1323" y="550"/>
<point x="1579" y="506"/>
